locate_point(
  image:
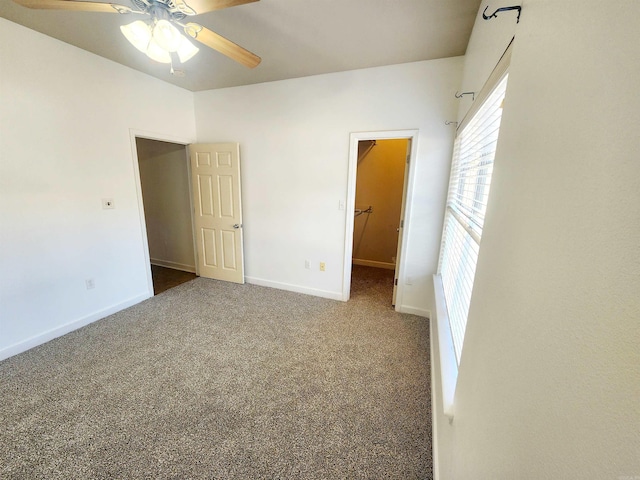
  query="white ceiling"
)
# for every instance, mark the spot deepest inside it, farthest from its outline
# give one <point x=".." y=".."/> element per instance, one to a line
<point x="294" y="38"/>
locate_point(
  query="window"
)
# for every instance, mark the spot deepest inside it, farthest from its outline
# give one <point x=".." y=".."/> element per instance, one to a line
<point x="469" y="185"/>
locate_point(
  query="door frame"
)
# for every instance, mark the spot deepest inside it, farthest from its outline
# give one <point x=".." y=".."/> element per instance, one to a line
<point x="356" y="137"/>
<point x="161" y="137"/>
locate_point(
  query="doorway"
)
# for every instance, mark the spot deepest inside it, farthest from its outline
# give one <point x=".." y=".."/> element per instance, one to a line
<point x="378" y="209"/>
<point x="377" y="220"/>
<point x="166" y="197"/>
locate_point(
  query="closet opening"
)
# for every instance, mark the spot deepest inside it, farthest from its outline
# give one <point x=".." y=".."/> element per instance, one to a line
<point x="377" y="197"/>
<point x="166" y="197"/>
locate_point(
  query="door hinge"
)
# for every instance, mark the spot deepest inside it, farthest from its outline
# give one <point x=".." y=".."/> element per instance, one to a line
<point x="401" y="223"/>
<point x="395" y="282"/>
<point x="408" y="158"/>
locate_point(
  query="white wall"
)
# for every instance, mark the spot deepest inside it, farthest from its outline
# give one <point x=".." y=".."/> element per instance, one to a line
<point x="488" y="41"/>
<point x="294" y="140"/>
<point x="65" y="143"/>
<point x="549" y="378"/>
<point x="165" y="180"/>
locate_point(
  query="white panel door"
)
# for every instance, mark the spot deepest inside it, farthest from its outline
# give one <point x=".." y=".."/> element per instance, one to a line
<point x="215" y="173"/>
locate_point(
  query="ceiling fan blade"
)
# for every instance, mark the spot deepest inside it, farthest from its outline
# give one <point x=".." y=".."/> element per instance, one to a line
<point x="222" y="45"/>
<point x="204" y="6"/>
<point x="74" y="6"/>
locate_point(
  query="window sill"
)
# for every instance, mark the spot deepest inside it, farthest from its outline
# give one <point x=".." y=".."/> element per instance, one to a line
<point x="448" y="363"/>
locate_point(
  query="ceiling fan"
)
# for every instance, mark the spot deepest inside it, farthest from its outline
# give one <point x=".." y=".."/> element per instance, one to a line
<point x="159" y="36"/>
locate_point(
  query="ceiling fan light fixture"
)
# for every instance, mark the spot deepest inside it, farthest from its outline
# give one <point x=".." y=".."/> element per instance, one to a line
<point x="163" y="37"/>
<point x="157" y="53"/>
<point x="167" y="36"/>
<point x="186" y="50"/>
<point x="138" y="33"/>
<point x="159" y="40"/>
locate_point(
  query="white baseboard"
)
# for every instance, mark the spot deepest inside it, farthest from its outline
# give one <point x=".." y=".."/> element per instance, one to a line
<point x="294" y="288"/>
<point x="421" y="312"/>
<point x="44" y="337"/>
<point x="373" y="263"/>
<point x="174" y="265"/>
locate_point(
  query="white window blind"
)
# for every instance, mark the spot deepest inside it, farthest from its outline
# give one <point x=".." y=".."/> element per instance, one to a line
<point x="469" y="185"/>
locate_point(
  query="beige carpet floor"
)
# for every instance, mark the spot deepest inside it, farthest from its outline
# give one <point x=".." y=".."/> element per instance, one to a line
<point x="217" y="380"/>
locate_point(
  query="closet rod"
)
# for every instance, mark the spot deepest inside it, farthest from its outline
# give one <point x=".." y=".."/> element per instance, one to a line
<point x="359" y="212"/>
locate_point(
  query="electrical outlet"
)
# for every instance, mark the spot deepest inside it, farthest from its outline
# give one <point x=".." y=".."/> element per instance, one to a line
<point x="108" y="204"/>
<point x="307" y="264"/>
<point x="90" y="283"/>
<point x="322" y="266"/>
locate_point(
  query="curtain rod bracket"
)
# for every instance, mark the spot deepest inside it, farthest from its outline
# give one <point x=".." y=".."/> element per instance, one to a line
<point x="473" y="95"/>
<point x="503" y="9"/>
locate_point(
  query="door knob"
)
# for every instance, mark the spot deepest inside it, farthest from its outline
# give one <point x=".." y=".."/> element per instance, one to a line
<point x="237" y="225"/>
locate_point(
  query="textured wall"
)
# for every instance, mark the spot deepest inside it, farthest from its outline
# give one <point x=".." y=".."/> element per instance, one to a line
<point x="549" y="378"/>
<point x="294" y="138"/>
<point x="65" y="144"/>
